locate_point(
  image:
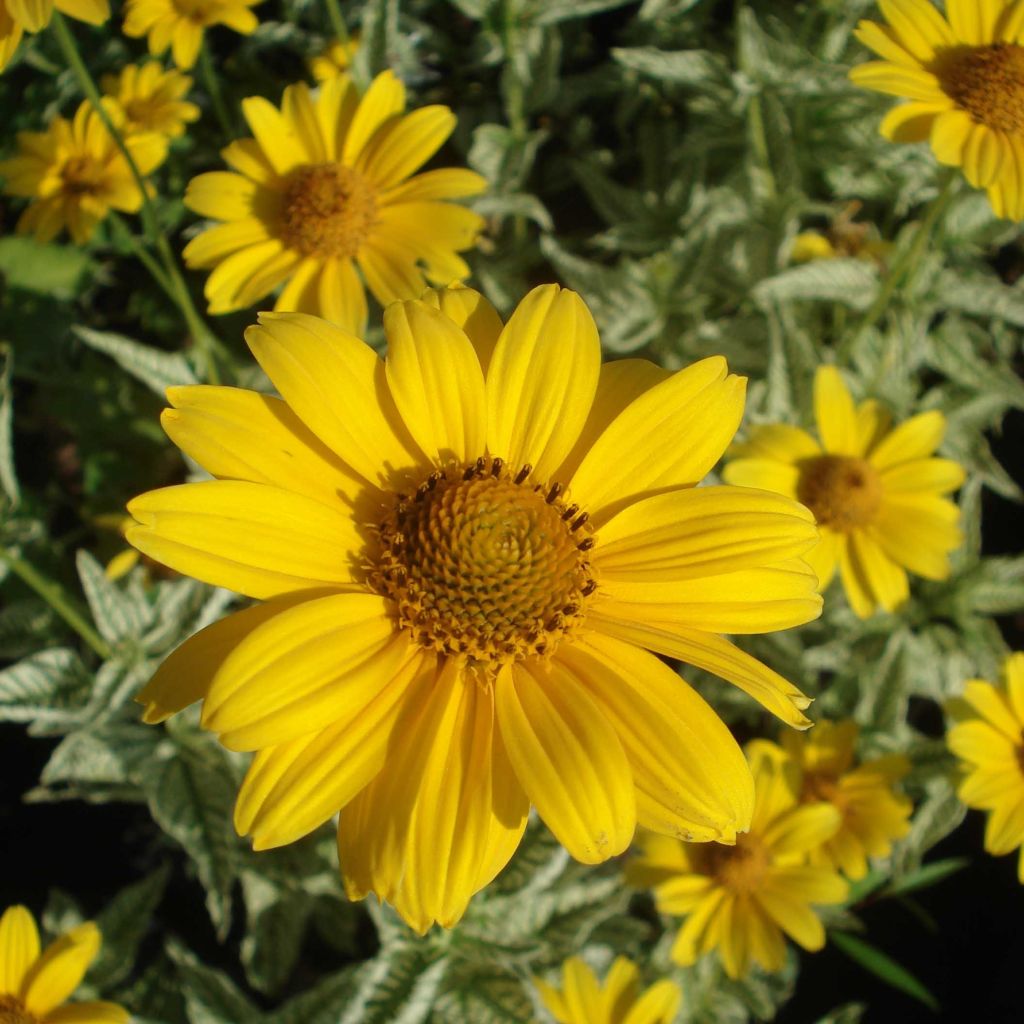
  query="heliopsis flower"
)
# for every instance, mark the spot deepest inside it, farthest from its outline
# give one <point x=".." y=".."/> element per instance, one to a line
<point x="180" y="24"/>
<point x="34" y="983"/>
<point x="963" y="76"/>
<point x="876" y="492"/>
<point x="872" y="812"/>
<point x="740" y="899"/>
<point x="988" y="737"/>
<point x="151" y="97"/>
<point x="583" y="1000"/>
<point x="465" y="551"/>
<point x="20" y="16"/>
<point x="74" y="173"/>
<point x="335" y="59"/>
<point x="325" y="186"/>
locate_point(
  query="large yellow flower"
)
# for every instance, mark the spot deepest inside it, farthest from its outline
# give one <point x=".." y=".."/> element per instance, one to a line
<point x="464" y="551"/>
<point x="989" y="740"/>
<point x="325" y="185"/>
<point x="152" y="98"/>
<point x="34" y="984"/>
<point x="74" y="173"/>
<point x="964" y="78"/>
<point x="180" y="24"/>
<point x="741" y="899"/>
<point x="20" y="16"/>
<point x="873" y="814"/>
<point x="875" y="491"/>
<point x="583" y="1000"/>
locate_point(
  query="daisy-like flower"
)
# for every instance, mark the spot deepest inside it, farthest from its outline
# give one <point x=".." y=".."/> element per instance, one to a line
<point x="963" y="76"/>
<point x="74" y="173"/>
<point x="872" y="812"/>
<point x="180" y="24"/>
<point x="20" y="16"/>
<point x="876" y="492"/>
<point x="988" y="737"/>
<point x="583" y="1000"/>
<point x="465" y="551"/>
<point x="325" y="185"/>
<point x="152" y="98"/>
<point x="740" y="899"/>
<point x="35" y="984"/>
<point x="335" y="59"/>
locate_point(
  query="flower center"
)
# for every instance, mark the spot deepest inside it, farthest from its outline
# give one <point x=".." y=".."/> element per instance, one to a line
<point x="822" y="787"/>
<point x="740" y="868"/>
<point x="987" y="82"/>
<point x="485" y="564"/>
<point x="328" y="210"/>
<point x="79" y="176"/>
<point x="12" y="1011"/>
<point x="842" y="492"/>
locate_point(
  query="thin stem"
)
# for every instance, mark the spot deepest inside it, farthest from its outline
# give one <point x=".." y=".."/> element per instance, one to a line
<point x="898" y="271"/>
<point x="128" y="238"/>
<point x="759" y="142"/>
<point x="337" y="20"/>
<point x="53" y="594"/>
<point x="212" y="83"/>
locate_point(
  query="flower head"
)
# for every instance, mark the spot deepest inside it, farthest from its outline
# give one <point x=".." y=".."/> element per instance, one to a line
<point x="466" y="550"/>
<point x="583" y="1000"/>
<point x="872" y="813"/>
<point x="180" y="24"/>
<point x="74" y="173"/>
<point x="34" y="983"/>
<point x="326" y="185"/>
<point x="988" y="737"/>
<point x="335" y="59"/>
<point x="876" y="492"/>
<point x="152" y="98"/>
<point x="963" y="76"/>
<point x="19" y="16"/>
<point x="844" y="239"/>
<point x="740" y="899"/>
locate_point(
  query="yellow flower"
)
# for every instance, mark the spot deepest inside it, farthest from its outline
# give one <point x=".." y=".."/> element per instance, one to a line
<point x="989" y="740"/>
<point x="180" y="24"/>
<point x="845" y="239"/>
<point x="464" y="551"/>
<point x="964" y="77"/>
<point x="872" y="812"/>
<point x="876" y="492"/>
<point x="336" y="58"/>
<point x="34" y="984"/>
<point x="151" y="98"/>
<point x="325" y="185"/>
<point x="582" y="1000"/>
<point x="740" y="899"/>
<point x="74" y="173"/>
<point x="20" y="16"/>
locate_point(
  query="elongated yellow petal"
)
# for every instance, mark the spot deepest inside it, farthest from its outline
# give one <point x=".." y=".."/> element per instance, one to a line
<point x="793" y="916"/>
<point x="278" y="140"/>
<point x="778" y="442"/>
<point x="919" y="26"/>
<point x="569" y="760"/>
<point x="19" y="947"/>
<point x="251" y="538"/>
<point x="658" y="1005"/>
<point x="802" y="829"/>
<point x="472" y="312"/>
<point x="405" y="144"/>
<point x="621" y="987"/>
<point x="897" y="80"/>
<point x="950" y="133"/>
<point x="886" y="579"/>
<point x="911" y="122"/>
<point x="835" y="413"/>
<point x="59" y="971"/>
<point x="443" y="183"/>
<point x="92" y="1012"/>
<point x="33" y="15"/>
<point x="936" y="475"/>
<point x="542" y="380"/>
<point x="383" y="100"/>
<point x="917" y="438"/>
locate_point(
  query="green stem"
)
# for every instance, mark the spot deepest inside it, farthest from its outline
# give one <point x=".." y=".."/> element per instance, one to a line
<point x="337" y="20"/>
<point x="759" y="142"/>
<point x="212" y="83"/>
<point x="53" y="594"/>
<point x="128" y="238"/>
<point x="203" y="337"/>
<point x="909" y="258"/>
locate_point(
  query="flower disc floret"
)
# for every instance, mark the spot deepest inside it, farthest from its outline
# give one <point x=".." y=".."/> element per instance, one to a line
<point x="843" y="492"/>
<point x="987" y="82"/>
<point x="329" y="211"/>
<point x="12" y="1011"/>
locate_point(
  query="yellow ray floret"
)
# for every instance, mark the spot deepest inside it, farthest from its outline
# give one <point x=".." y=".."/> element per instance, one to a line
<point x="876" y="491"/>
<point x="181" y="24"/>
<point x="152" y="98"/>
<point x="335" y="59"/>
<point x="328" y="185"/>
<point x="467" y="552"/>
<point x="36" y="983"/>
<point x="963" y="78"/>
<point x="74" y="173"/>
<point x="20" y="16"/>
<point x="741" y="900"/>
<point x="988" y="738"/>
<point x="582" y="999"/>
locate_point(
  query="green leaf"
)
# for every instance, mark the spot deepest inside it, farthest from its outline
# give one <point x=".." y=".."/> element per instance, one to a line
<point x="399" y="987"/>
<point x="277" y="922"/>
<point x="211" y="997"/>
<point x="116" y="615"/>
<point x="325" y="1003"/>
<point x="57" y="271"/>
<point x="926" y="875"/>
<point x="851" y="282"/>
<point x="156" y="369"/>
<point x="883" y="967"/>
<point x="485" y="997"/>
<point x="680" y="67"/>
<point x="43" y="688"/>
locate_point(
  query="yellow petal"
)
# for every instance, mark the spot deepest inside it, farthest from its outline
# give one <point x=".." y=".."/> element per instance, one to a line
<point x="917" y="438"/>
<point x="981" y="743"/>
<point x="280" y="144"/>
<point x="802" y="829"/>
<point x="1004" y="830"/>
<point x="621" y="987"/>
<point x="911" y="122"/>
<point x="404" y="144"/>
<point x="658" y="1005"/>
<point x="19" y="947"/>
<point x="340" y="296"/>
<point x="542" y="380"/>
<point x="936" y="475"/>
<point x="1013" y="670"/>
<point x="92" y="1012"/>
<point x="436" y="382"/>
<point x="383" y="100"/>
<point x="59" y="971"/>
<point x="855" y="583"/>
<point x="835" y="413"/>
<point x="311" y="665"/>
<point x="210" y="247"/>
<point x="443" y="183"/>
<point x="95" y="12"/>
<point x="794" y="917"/>
<point x="983" y="156"/>
<point x="918" y="534"/>
<point x="472" y="312"/>
<point x="299" y="111"/>
<point x="697" y="934"/>
<point x="223" y="195"/>
<point x="256" y="540"/>
<point x="33" y="15"/>
<point x="918" y="26"/>
<point x="568" y="759"/>
<point x="994" y="706"/>
<point x="950" y="133"/>
<point x="896" y="80"/>
<point x="581" y="993"/>
<point x="777" y="442"/>
<point x="886" y="579"/>
<point x="973" y="21"/>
